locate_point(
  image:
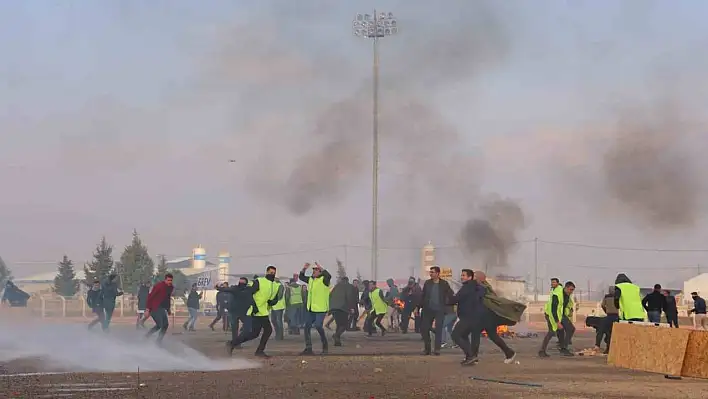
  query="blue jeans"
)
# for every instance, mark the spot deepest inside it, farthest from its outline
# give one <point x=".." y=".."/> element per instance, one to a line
<point x="295" y="317"/>
<point x="276" y="317"/>
<point x="654" y="316"/>
<point x="448" y="323"/>
<point x="316" y="320"/>
<point x="193" y="314"/>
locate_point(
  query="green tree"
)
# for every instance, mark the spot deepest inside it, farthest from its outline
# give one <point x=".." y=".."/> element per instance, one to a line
<point x="341" y="270"/>
<point x="180" y="282"/>
<point x="65" y="283"/>
<point x="161" y="268"/>
<point x="135" y="265"/>
<point x="5" y="273"/>
<point x="102" y="263"/>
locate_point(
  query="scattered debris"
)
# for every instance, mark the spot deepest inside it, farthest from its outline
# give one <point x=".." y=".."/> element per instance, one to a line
<point x="590" y="352"/>
<point x="526" y="334"/>
<point x="377" y="370"/>
<point x="673" y="377"/>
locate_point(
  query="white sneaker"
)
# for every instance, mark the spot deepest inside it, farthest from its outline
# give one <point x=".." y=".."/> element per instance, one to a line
<point x="443" y="345"/>
<point x="510" y="360"/>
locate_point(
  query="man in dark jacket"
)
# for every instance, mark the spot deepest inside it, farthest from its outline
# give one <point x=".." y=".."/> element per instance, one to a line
<point x="110" y="291"/>
<point x="222" y="304"/>
<point x="159" y="307"/>
<point x="671" y="309"/>
<point x="240" y="302"/>
<point x="143" y="291"/>
<point x="354" y="317"/>
<point x="699" y="308"/>
<point x="612" y="316"/>
<point x="94" y="301"/>
<point x="654" y="303"/>
<point x="365" y="302"/>
<point x="489" y="321"/>
<point x="436" y="296"/>
<point x="410" y="295"/>
<point x="469" y="311"/>
<point x="342" y="301"/>
<point x="193" y="304"/>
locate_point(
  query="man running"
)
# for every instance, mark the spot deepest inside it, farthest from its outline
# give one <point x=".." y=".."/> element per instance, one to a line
<point x="317" y="305"/>
<point x="158" y="307"/>
<point x="469" y="311"/>
<point x="193" y="308"/>
<point x="265" y="296"/>
<point x="222" y="303"/>
<point x="143" y="292"/>
<point x="342" y="301"/>
<point x="436" y="294"/>
<point x="93" y="300"/>
<point x="378" y="308"/>
<point x="109" y="291"/>
<point x="240" y="309"/>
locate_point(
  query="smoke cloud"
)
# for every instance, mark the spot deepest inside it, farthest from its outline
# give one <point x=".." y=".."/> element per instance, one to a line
<point x="74" y="348"/>
<point x="494" y="232"/>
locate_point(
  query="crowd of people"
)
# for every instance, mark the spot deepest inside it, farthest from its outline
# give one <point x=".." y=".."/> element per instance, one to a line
<point x="259" y="307"/>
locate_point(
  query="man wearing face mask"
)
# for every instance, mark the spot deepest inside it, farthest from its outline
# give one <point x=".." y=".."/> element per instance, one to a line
<point x="265" y="296"/>
<point x="109" y="291"/>
<point x="317" y="305"/>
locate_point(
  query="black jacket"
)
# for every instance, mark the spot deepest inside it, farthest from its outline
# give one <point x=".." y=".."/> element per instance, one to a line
<point x="193" y="299"/>
<point x="469" y="300"/>
<point x="343" y="297"/>
<point x="444" y="291"/>
<point x="143" y="292"/>
<point x="241" y="298"/>
<point x="654" y="301"/>
<point x="699" y="306"/>
<point x="222" y="300"/>
<point x="671" y="306"/>
<point x="110" y="291"/>
<point x="94" y="299"/>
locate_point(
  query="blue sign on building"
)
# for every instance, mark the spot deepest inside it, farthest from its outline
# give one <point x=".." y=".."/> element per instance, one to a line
<point x="224" y="259"/>
<point x="199" y="257"/>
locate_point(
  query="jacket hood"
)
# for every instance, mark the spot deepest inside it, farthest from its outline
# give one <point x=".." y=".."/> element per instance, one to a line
<point x="389" y="282"/>
<point x="622" y="278"/>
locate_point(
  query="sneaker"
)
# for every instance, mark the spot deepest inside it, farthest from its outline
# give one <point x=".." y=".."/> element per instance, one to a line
<point x="324" y="351"/>
<point x="455" y="346"/>
<point x="307" y="352"/>
<point x="566" y="352"/>
<point x="470" y="361"/>
<point x="543" y="354"/>
<point x="426" y="352"/>
<point x="510" y="360"/>
<point x="261" y="354"/>
<point x="436" y="353"/>
<point x="444" y="345"/>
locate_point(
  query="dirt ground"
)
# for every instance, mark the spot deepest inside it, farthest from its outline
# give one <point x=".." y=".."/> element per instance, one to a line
<point x="378" y="367"/>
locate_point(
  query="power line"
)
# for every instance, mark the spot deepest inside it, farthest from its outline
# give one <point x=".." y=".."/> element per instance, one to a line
<point x="615" y="248"/>
<point x="621" y="268"/>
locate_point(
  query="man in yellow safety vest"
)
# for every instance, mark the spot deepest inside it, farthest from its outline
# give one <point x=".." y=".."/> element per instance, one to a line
<point x="554" y="316"/>
<point x="276" y="313"/>
<point x="265" y="296"/>
<point x="317" y="304"/>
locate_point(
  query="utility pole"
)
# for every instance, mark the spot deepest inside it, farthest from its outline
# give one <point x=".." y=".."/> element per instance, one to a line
<point x="535" y="269"/>
<point x="374" y="27"/>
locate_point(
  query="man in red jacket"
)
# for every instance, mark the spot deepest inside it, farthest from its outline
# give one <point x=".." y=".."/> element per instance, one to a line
<point x="158" y="307"/>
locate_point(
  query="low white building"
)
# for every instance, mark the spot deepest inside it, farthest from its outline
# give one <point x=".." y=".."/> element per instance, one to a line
<point x="698" y="284"/>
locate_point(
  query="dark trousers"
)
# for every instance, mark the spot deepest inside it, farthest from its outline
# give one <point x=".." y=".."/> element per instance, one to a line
<point x="353" y="318"/>
<point x="108" y="316"/>
<point x="220" y="315"/>
<point x="368" y="322"/>
<point x="605" y="330"/>
<point x="162" y="322"/>
<point x="99" y="317"/>
<point x="342" y="319"/>
<point x="246" y="327"/>
<point x="276" y="317"/>
<point x="565" y="335"/>
<point x="489" y="323"/>
<point x="550" y="334"/>
<point x="461" y="336"/>
<point x="375" y="320"/>
<point x="316" y="320"/>
<point x="426" y="325"/>
<point x="672" y="319"/>
<point x="259" y="323"/>
<point x="406" y="317"/>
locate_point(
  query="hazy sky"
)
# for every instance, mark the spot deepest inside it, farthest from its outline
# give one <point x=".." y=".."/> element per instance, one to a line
<point x="122" y="115"/>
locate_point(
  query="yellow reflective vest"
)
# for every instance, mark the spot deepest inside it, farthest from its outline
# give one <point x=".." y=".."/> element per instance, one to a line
<point x="558" y="293"/>
<point x="296" y="295"/>
<point x="317" y="295"/>
<point x="267" y="291"/>
<point x="630" y="302"/>
<point x="378" y="304"/>
<point x="281" y="302"/>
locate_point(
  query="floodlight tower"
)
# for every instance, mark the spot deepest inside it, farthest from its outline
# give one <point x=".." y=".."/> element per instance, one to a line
<point x="375" y="26"/>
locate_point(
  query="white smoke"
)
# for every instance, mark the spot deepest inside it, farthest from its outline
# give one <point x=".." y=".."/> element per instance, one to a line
<point x="74" y="348"/>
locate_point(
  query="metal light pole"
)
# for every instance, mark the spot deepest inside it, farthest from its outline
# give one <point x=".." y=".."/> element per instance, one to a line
<point x="375" y="27"/>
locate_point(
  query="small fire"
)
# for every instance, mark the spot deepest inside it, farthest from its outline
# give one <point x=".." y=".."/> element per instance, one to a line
<point x="502" y="331"/>
<point x="398" y="304"/>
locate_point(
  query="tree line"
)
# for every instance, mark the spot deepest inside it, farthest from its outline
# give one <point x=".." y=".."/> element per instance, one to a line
<point x="134" y="267"/>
